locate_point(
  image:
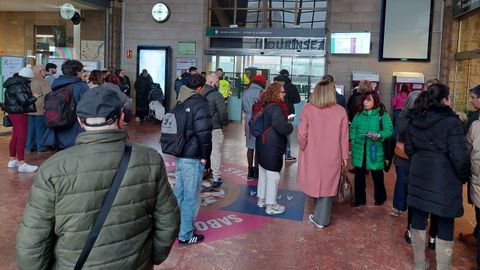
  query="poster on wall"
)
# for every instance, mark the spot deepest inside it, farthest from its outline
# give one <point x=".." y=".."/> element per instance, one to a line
<point x="93" y="50"/>
<point x="183" y="64"/>
<point x="9" y="66"/>
<point x="187" y="47"/>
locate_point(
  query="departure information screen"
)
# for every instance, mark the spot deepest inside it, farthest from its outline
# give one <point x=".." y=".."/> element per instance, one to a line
<point x="350" y="43"/>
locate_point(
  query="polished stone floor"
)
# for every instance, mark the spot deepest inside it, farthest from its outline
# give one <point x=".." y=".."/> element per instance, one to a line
<point x="241" y="237"/>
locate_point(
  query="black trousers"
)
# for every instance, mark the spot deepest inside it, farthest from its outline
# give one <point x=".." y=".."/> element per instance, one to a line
<point x="380" y="193"/>
<point x="433" y="230"/>
<point x="444" y="226"/>
<point x="477" y="218"/>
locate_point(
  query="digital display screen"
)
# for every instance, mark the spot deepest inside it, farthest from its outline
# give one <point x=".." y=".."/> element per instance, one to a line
<point x="154" y="61"/>
<point x="350" y="43"/>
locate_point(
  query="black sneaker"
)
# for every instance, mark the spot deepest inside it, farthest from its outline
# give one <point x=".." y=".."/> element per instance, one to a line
<point x="431" y="243"/>
<point x="250" y="173"/>
<point x="290" y="158"/>
<point x="196" y="238"/>
<point x="217" y="182"/>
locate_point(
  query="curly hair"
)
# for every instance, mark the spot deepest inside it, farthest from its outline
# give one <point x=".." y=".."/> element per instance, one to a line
<point x="376" y="102"/>
<point x="112" y="79"/>
<point x="272" y="93"/>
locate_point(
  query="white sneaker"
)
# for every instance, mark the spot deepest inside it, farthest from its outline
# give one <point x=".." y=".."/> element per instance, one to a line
<point x="274" y="209"/>
<point x="27" y="168"/>
<point x="12" y="163"/>
<point x="310" y="217"/>
<point x="137" y="119"/>
<point x="261" y="202"/>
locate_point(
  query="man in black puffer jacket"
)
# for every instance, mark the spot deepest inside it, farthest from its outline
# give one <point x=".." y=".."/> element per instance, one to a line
<point x="292" y="97"/>
<point x="218" y="112"/>
<point x="191" y="162"/>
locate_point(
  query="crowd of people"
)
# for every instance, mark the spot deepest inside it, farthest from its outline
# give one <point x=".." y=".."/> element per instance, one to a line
<point x="436" y="154"/>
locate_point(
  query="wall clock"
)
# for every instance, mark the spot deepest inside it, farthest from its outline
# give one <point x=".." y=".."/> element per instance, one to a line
<point x="67" y="11"/>
<point x="160" y="12"/>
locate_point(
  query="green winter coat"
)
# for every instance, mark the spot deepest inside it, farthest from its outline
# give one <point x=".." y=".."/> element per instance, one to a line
<point x="369" y="122"/>
<point x="68" y="192"/>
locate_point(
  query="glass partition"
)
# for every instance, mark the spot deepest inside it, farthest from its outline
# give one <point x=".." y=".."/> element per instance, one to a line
<point x="305" y="72"/>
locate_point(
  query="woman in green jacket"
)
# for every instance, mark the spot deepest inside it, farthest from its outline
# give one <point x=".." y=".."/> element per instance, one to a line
<point x="366" y="136"/>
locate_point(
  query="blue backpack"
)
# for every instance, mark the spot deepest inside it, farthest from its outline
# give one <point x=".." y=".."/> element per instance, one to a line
<point x="257" y="123"/>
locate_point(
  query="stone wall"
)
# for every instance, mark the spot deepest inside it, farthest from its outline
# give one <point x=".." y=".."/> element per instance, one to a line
<point x="365" y="15"/>
<point x="187" y="22"/>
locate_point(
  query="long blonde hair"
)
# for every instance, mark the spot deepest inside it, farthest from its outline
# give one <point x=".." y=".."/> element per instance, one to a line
<point x="323" y="95"/>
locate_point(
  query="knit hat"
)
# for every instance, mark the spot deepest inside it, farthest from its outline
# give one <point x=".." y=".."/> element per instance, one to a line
<point x="26" y="72"/>
<point x="259" y="78"/>
<point x="284" y="72"/>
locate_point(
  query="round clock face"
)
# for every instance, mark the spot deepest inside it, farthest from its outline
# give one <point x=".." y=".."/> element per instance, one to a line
<point x="160" y="12"/>
<point x="67" y="11"/>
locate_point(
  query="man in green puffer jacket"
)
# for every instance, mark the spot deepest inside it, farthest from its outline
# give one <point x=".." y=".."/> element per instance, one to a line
<point x="70" y="188"/>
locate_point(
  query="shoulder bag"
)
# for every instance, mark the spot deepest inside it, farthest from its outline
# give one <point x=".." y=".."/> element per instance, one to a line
<point x="388" y="147"/>
<point x="107" y="205"/>
<point x="400" y="150"/>
<point x="6" y="121"/>
<point x="345" y="190"/>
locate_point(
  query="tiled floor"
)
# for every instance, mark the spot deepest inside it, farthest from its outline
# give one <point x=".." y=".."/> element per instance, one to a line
<point x="361" y="238"/>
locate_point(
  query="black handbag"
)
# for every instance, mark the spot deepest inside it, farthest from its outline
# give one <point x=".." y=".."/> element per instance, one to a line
<point x="107" y="205"/>
<point x="388" y="148"/>
<point x="6" y="121"/>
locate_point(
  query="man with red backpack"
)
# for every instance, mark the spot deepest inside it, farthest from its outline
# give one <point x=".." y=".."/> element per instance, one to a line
<point x="249" y="98"/>
<point x="64" y="135"/>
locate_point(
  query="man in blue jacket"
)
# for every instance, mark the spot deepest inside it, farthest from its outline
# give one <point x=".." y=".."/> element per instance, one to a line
<point x="64" y="137"/>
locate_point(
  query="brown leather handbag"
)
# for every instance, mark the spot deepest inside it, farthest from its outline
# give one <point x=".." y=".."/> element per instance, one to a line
<point x="345" y="190"/>
<point x="400" y="150"/>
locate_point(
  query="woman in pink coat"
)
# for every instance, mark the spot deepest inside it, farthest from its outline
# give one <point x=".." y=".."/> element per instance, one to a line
<point x="323" y="150"/>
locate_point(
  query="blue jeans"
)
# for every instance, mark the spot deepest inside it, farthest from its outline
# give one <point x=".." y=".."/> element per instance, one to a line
<point x="287" y="151"/>
<point x="36" y="129"/>
<point x="188" y="173"/>
<point x="401" y="189"/>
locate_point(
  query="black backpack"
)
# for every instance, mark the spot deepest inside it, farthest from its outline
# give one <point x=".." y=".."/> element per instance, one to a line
<point x="60" y="107"/>
<point x="173" y="138"/>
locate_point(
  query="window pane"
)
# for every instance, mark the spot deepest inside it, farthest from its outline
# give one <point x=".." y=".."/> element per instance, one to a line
<point x="253" y="3"/>
<point x="306" y="17"/>
<point x="223" y="4"/>
<point x="318" y="25"/>
<point x="221" y="18"/>
<point x="319" y="15"/>
<point x="267" y="62"/>
<point x="227" y="63"/>
<point x="283" y="4"/>
<point x="253" y="18"/>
